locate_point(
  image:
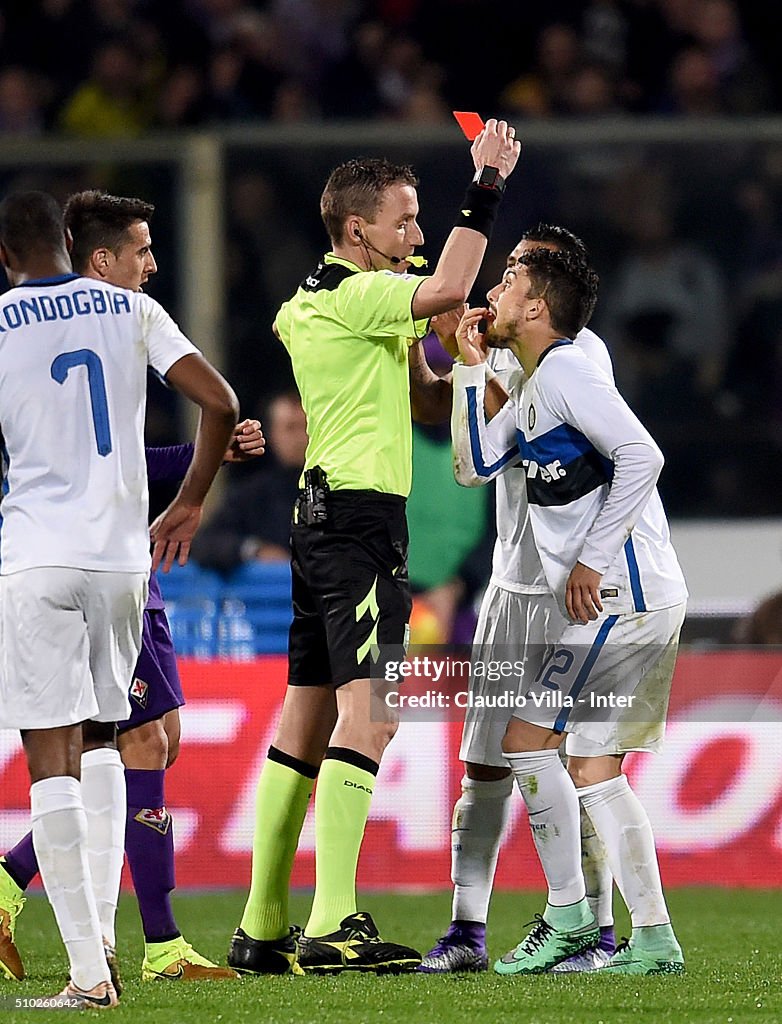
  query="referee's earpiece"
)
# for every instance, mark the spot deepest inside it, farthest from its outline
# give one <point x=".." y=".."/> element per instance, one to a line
<point x="368" y="245"/>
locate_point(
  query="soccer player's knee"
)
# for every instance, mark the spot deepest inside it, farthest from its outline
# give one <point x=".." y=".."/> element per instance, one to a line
<point x="145" y="747"/>
<point x="580" y="773"/>
<point x="377" y="738"/>
<point x="98" y="734"/>
<point x="385" y="731"/>
<point x="172" y="727"/>
<point x="526" y="738"/>
<point x="513" y="740"/>
<point x="485" y="772"/>
<point x="156" y="747"/>
<point x="173" y="751"/>
<point x="589" y="771"/>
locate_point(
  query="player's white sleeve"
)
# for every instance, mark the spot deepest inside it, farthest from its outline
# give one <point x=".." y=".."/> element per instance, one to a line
<point x="593" y="346"/>
<point x="481" y="450"/>
<point x="166" y="344"/>
<point x="584" y="397"/>
<point x="636" y="469"/>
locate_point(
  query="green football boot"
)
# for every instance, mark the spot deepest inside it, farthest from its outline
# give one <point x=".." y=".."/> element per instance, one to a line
<point x="178" y="961"/>
<point x="11" y="903"/>
<point x="546" y="946"/>
<point x="642" y="955"/>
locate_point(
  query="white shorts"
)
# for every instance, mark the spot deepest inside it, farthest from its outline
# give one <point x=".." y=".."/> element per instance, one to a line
<point x="511" y="627"/>
<point x="607" y="684"/>
<point x="69" y="641"/>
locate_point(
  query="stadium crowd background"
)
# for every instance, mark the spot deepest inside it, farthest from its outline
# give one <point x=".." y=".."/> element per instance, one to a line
<point x="686" y="234"/>
<point x="108" y="67"/>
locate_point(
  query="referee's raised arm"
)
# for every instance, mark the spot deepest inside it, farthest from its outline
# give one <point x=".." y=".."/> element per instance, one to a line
<point x="348" y="330"/>
<point x="495" y="153"/>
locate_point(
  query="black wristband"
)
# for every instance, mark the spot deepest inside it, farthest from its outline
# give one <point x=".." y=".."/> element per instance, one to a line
<point x="478" y="210"/>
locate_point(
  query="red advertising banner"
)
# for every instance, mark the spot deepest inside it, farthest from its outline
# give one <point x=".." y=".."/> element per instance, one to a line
<point x="714" y="795"/>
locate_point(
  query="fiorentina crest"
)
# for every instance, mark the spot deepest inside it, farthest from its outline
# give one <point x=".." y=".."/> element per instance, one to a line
<point x="157" y="818"/>
<point x="138" y="691"/>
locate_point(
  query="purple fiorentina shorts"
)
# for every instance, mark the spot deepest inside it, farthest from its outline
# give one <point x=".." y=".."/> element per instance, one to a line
<point x="155" y="687"/>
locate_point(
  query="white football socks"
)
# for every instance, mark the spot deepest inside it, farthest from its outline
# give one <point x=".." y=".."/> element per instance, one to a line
<point x="623" y="825"/>
<point x="552" y="803"/>
<point x="60" y="843"/>
<point x="104" y="796"/>
<point x="479" y="817"/>
<point x="597" y="874"/>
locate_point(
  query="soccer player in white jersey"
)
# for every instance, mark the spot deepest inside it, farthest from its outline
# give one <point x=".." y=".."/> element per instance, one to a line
<point x="112" y="245"/>
<point x="517" y="611"/>
<point x="604" y="544"/>
<point x="75" y="549"/>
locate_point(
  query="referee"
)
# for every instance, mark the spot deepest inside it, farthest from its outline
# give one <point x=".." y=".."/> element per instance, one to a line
<point x="348" y="329"/>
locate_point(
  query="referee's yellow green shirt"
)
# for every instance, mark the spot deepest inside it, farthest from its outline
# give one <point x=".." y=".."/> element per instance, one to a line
<point x="348" y="332"/>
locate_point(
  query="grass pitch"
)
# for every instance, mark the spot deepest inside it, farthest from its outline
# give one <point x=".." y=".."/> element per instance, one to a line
<point x="731" y="939"/>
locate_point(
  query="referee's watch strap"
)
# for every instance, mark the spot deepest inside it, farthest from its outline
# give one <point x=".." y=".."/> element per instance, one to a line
<point x="490" y="178"/>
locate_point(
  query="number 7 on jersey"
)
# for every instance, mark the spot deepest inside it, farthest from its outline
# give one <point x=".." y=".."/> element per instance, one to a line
<point x="62" y="366"/>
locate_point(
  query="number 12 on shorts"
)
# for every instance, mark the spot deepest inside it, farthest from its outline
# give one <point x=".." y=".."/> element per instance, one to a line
<point x="557" y="664"/>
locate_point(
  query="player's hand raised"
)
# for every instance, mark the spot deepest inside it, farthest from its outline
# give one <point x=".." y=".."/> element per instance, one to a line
<point x="496" y="146"/>
<point x="247" y="443"/>
<point x="172" y="533"/>
<point x="582" y="595"/>
<point x="468" y="337"/>
<point x="445" y="325"/>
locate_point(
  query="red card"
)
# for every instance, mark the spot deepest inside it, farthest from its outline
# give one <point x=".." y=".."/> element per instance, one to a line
<point x="470" y="123"/>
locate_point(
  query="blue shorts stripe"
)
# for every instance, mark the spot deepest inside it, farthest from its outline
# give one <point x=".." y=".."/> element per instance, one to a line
<point x="635" y="576"/>
<point x="475" y="442"/>
<point x="586" y="668"/>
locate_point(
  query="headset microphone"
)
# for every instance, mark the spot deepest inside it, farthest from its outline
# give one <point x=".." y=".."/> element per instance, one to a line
<point x="414" y="261"/>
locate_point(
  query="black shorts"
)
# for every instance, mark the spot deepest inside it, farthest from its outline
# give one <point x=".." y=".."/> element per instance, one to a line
<point x="351" y="595"/>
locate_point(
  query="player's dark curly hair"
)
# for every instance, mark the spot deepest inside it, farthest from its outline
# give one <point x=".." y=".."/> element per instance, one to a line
<point x="357" y="187"/>
<point x="553" y="234"/>
<point x="98" y="220"/>
<point x="567" y="283"/>
<point x="31" y="222"/>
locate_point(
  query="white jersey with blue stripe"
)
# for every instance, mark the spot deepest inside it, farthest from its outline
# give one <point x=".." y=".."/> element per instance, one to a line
<point x="73" y="383"/>
<point x="488" y="451"/>
<point x="591" y="470"/>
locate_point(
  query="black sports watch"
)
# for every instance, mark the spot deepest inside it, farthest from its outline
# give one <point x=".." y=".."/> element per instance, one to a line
<point x="489" y="177"/>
